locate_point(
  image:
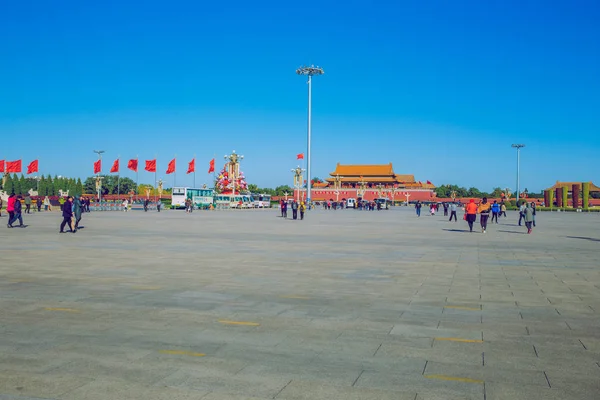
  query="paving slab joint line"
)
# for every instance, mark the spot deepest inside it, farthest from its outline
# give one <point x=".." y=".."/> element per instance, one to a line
<point x="547" y="380"/>
<point x="358" y="377"/>
<point x="425" y="367"/>
<point x="582" y="344"/>
<point x="453" y="378"/>
<point x="283" y="388"/>
<point x="460" y="340"/>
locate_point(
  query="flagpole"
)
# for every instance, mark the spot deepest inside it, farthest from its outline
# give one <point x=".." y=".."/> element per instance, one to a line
<point x="119" y="176"/>
<point x="175" y="172"/>
<point x="137" y="175"/>
<point x="194" y="171"/>
<point x="155" y="181"/>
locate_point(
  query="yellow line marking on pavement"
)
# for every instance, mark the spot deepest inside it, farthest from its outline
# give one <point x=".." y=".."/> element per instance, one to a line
<point x="451" y="339"/>
<point x="182" y="353"/>
<point x="296" y="297"/>
<point x="72" y="310"/>
<point x="453" y="378"/>
<point x="463" y="308"/>
<point x="226" y="322"/>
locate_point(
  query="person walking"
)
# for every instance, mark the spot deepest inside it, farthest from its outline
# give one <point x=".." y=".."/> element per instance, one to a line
<point x="125" y="205"/>
<point x="503" y="209"/>
<point x="471" y="213"/>
<point x="1" y="204"/>
<point x="528" y="217"/>
<point x="522" y="208"/>
<point x="10" y="208"/>
<point x="302" y="210"/>
<point x="284" y="209"/>
<point x="533" y="208"/>
<point x="67" y="214"/>
<point x="495" y="211"/>
<point x="294" y="210"/>
<point x="38" y="203"/>
<point x="146" y="202"/>
<point x="418" y="208"/>
<point x="484" y="213"/>
<point x="46" y="203"/>
<point x="77" y="211"/>
<point x="17" y="207"/>
<point x="445" y="205"/>
<point x="28" y="204"/>
<point x="453" y="208"/>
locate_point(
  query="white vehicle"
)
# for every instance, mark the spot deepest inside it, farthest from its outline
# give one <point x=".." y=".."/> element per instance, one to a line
<point x="178" y="197"/>
<point x="350" y="203"/>
<point x="261" y="200"/>
<point x="237" y="201"/>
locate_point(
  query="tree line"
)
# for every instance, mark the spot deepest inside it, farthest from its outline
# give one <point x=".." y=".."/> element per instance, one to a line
<point x="44" y="185"/>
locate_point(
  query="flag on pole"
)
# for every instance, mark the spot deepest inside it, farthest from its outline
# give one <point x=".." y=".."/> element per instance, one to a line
<point x="429" y="183"/>
<point x="97" y="166"/>
<point x="133" y="164"/>
<point x="115" y="166"/>
<point x="32" y="167"/>
<point x="300" y="156"/>
<point x="211" y="166"/>
<point x="171" y="167"/>
<point x="13" y="166"/>
<point x="1" y="165"/>
<point x="191" y="166"/>
<point x="151" y="165"/>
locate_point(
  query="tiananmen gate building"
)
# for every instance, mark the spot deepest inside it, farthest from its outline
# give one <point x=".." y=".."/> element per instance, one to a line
<point x="370" y="181"/>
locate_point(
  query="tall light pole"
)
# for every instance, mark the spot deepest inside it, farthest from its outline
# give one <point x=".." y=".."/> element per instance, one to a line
<point x="98" y="181"/>
<point x="518" y="147"/>
<point x="337" y="184"/>
<point x="309" y="71"/>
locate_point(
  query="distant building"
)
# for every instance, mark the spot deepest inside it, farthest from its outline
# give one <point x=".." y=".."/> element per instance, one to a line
<point x="369" y="182"/>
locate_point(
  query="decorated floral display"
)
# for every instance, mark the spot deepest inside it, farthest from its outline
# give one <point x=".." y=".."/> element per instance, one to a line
<point x="224" y="179"/>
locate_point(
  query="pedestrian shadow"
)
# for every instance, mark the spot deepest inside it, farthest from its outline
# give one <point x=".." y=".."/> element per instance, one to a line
<point x="519" y="233"/>
<point x="457" y="230"/>
<point x="583" y="238"/>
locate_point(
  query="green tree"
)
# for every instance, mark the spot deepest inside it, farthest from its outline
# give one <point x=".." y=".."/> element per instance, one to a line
<point x="280" y="190"/>
<point x="253" y="188"/>
<point x="16" y="184"/>
<point x="42" y="187"/>
<point x="79" y="186"/>
<point x="496" y="193"/>
<point x="50" y="190"/>
<point x="474" y="192"/>
<point x="9" y="185"/>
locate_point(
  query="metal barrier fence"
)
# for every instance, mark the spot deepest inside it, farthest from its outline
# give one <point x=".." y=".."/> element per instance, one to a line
<point x="118" y="206"/>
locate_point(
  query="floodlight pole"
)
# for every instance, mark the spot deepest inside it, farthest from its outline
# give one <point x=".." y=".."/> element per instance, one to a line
<point x="309" y="71"/>
<point x="518" y="147"/>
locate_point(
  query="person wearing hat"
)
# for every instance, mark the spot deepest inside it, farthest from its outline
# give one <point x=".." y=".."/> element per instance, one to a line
<point x="302" y="209"/>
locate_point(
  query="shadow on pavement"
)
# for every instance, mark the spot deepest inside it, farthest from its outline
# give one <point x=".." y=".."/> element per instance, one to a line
<point x="520" y="233"/>
<point x="584" y="238"/>
<point x="457" y="230"/>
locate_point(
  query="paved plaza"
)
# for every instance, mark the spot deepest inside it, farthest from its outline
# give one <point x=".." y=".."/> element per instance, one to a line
<point x="347" y="304"/>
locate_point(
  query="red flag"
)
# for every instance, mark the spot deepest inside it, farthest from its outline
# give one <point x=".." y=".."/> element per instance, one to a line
<point x="429" y="183"/>
<point x="211" y="166"/>
<point x="1" y="165"/>
<point x="132" y="164"/>
<point x="97" y="166"/>
<point x="32" y="167"/>
<point x="151" y="165"/>
<point x="115" y="167"/>
<point x="13" y="166"/>
<point x="171" y="167"/>
<point x="191" y="166"/>
<point x="300" y="156"/>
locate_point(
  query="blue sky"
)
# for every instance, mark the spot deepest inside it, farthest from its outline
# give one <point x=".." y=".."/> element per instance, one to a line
<point x="439" y="88"/>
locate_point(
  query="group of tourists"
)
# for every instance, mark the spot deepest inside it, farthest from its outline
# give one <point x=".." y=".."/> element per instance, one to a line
<point x="484" y="209"/>
<point x="72" y="209"/>
<point x="295" y="206"/>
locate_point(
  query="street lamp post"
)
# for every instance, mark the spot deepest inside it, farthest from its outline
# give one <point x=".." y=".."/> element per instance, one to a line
<point x="518" y="147"/>
<point x="298" y="180"/>
<point x="309" y="71"/>
<point x="407" y="196"/>
<point x="362" y="187"/>
<point x="233" y="166"/>
<point x="98" y="179"/>
<point x="337" y="184"/>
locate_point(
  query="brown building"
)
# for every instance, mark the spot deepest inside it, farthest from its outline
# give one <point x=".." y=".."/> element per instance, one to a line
<point x="373" y="175"/>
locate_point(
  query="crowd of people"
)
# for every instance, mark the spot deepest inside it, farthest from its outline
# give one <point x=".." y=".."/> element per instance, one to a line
<point x="297" y="207"/>
<point x="527" y="212"/>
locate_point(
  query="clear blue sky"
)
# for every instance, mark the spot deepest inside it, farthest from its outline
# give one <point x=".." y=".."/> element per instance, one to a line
<point x="439" y="88"/>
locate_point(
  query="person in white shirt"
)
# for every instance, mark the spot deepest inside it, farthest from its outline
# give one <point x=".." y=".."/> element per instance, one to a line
<point x="125" y="205"/>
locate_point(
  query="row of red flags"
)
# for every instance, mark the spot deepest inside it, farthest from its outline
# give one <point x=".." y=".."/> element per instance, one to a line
<point x="151" y="166"/>
<point x="15" y="167"/>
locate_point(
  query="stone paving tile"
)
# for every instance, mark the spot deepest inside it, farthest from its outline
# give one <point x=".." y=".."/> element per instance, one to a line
<point x="111" y="314"/>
